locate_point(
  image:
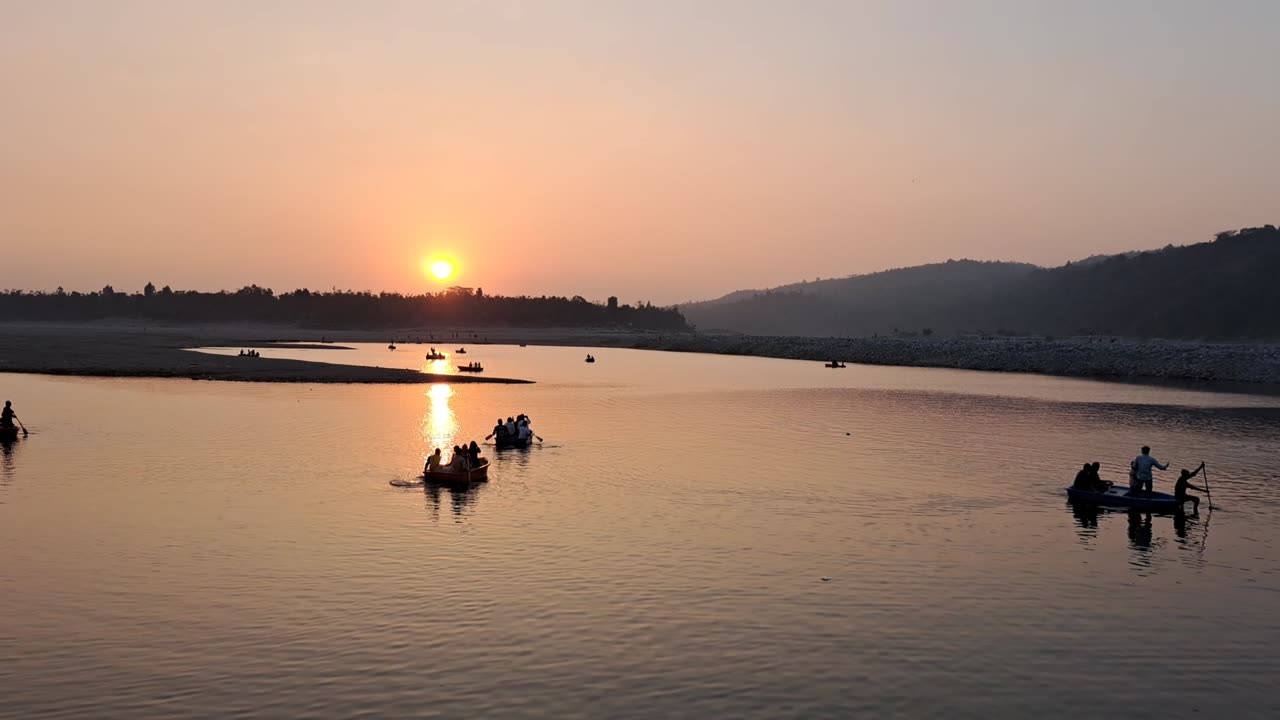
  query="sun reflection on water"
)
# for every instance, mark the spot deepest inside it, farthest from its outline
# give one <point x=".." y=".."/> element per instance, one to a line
<point x="439" y="424"/>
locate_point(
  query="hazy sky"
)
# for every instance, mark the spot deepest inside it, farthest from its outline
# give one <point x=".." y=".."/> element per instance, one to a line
<point x="654" y="150"/>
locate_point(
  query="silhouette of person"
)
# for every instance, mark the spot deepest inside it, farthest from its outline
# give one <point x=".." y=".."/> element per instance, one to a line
<point x="1140" y="471"/>
<point x="1184" y="482"/>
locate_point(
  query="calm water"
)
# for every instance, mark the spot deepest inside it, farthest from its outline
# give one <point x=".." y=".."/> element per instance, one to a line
<point x="171" y="548"/>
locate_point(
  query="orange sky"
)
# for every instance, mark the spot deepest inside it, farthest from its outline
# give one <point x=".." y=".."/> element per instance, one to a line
<point x="656" y="151"/>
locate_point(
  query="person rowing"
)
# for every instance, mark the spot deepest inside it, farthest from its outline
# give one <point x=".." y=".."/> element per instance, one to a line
<point x="8" y="417"/>
<point x="1184" y="482"/>
<point x="499" y="431"/>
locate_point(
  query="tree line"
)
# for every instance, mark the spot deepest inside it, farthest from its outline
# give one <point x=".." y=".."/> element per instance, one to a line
<point x="336" y="309"/>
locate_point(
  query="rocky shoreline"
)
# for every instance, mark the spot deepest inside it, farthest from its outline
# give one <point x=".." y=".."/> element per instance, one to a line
<point x="1095" y="357"/>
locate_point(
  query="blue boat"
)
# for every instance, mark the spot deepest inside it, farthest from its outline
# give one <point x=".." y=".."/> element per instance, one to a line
<point x="1118" y="496"/>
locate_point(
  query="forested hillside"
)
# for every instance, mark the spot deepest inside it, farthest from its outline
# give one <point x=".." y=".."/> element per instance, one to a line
<point x="1220" y="289"/>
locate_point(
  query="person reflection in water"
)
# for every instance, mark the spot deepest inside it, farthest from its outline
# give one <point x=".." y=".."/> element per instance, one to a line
<point x="1140" y="529"/>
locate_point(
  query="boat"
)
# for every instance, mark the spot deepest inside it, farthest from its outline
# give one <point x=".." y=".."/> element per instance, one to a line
<point x="8" y="433"/>
<point x="504" y="443"/>
<point x="834" y="364"/>
<point x="479" y="473"/>
<point x="1118" y="496"/>
<point x="590" y="359"/>
<point x="436" y="356"/>
<point x="461" y="351"/>
<point x="392" y="346"/>
<point x="471" y="368"/>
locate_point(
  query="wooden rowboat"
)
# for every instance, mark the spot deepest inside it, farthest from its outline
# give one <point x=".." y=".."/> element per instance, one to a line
<point x="479" y="473"/>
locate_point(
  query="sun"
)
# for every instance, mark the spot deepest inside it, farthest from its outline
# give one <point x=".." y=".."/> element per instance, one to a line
<point x="440" y="268"/>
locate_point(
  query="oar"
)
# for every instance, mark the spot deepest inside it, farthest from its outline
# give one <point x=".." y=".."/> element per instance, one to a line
<point x="1208" y="495"/>
<point x="24" y="427"/>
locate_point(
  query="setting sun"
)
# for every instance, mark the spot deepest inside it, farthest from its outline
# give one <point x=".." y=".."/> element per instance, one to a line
<point x="440" y="269"/>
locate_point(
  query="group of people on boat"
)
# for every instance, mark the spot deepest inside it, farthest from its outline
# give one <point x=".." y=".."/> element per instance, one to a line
<point x="435" y="355"/>
<point x="515" y="429"/>
<point x="472" y="366"/>
<point x="249" y="353"/>
<point x="464" y="458"/>
<point x="1140" y="479"/>
<point x="590" y="357"/>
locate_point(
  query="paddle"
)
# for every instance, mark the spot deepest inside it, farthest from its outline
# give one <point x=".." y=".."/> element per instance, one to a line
<point x="1208" y="495"/>
<point x="24" y="427"/>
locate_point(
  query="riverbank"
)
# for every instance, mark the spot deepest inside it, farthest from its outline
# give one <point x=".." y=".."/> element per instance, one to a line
<point x="127" y="351"/>
<point x="124" y="349"/>
<point x="1094" y="357"/>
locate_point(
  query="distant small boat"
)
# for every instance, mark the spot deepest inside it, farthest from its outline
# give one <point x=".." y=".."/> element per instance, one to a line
<point x="471" y="368"/>
<point x="436" y="356"/>
<point x="480" y="473"/>
<point x="834" y="364"/>
<point x="590" y="359"/>
<point x="461" y="351"/>
<point x="392" y="346"/>
<point x="1118" y="496"/>
<point x="523" y="345"/>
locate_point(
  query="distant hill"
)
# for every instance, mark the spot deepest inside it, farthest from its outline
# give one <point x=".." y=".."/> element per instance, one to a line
<point x="1219" y="289"/>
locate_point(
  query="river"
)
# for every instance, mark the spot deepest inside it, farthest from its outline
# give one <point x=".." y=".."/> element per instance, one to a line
<point x="696" y="536"/>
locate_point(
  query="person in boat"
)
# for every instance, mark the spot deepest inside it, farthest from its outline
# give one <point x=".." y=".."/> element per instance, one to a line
<point x="473" y="454"/>
<point x="1084" y="479"/>
<point x="433" y="463"/>
<point x="458" y="463"/>
<point x="499" y="431"/>
<point x="522" y="431"/>
<point x="511" y="427"/>
<point x="7" y="416"/>
<point x="1140" y="471"/>
<point x="1099" y="484"/>
<point x="1181" y="486"/>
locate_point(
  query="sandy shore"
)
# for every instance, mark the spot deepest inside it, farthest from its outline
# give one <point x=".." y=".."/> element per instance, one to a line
<point x="138" y="351"/>
<point x="125" y="349"/>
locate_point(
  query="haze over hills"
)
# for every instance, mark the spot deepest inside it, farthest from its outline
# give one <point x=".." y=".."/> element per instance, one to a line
<point x="1213" y="290"/>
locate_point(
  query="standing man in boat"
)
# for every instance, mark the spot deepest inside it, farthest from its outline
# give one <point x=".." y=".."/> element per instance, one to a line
<point x="1140" y="471"/>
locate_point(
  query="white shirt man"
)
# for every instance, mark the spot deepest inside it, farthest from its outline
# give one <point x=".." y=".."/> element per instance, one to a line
<point x="1140" y="470"/>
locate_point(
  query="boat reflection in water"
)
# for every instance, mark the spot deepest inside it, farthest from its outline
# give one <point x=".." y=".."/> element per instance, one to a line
<point x="7" y="447"/>
<point x="460" y="497"/>
<point x="1190" y="532"/>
